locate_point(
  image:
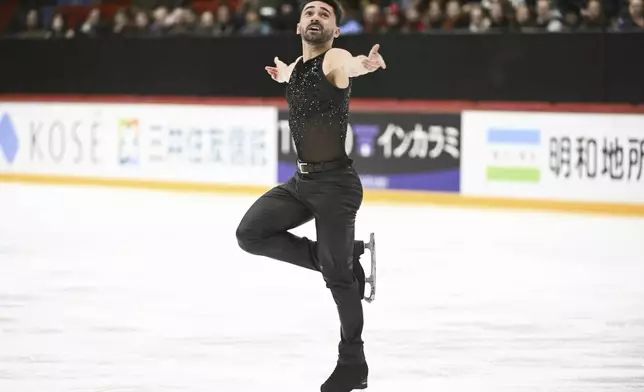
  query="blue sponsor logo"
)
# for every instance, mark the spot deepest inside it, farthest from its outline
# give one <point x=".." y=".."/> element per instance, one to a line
<point x="8" y="138"/>
<point x="514" y="155"/>
<point x="514" y="136"/>
<point x="366" y="139"/>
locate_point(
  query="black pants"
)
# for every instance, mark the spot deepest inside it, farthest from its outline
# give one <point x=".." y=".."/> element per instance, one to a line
<point x="333" y="199"/>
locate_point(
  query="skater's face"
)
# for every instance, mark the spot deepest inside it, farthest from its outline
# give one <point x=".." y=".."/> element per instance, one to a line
<point x="317" y="23"/>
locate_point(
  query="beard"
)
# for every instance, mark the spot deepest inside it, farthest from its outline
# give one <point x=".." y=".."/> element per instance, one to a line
<point x="317" y="37"/>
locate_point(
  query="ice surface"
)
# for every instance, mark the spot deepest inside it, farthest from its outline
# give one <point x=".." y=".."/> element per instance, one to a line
<point x="135" y="291"/>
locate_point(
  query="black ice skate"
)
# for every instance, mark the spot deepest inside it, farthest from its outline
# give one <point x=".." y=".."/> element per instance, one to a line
<point x="358" y="271"/>
<point x="346" y="378"/>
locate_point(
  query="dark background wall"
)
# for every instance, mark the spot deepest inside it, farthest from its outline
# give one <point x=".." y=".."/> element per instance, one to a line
<point x="565" y="67"/>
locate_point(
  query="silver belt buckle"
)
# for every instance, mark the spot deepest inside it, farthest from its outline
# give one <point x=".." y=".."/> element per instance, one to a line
<point x="299" y="167"/>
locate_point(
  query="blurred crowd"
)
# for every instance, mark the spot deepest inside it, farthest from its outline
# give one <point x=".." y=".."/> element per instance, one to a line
<point x="102" y="18"/>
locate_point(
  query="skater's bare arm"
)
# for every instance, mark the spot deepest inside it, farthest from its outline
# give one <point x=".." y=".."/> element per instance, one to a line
<point x="353" y="66"/>
<point x="281" y="72"/>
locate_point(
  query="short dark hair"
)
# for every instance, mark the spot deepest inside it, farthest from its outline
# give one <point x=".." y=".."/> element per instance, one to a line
<point x="335" y="4"/>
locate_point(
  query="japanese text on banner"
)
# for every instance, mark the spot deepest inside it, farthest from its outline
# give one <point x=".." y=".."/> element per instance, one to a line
<point x="616" y="158"/>
<point x="416" y="143"/>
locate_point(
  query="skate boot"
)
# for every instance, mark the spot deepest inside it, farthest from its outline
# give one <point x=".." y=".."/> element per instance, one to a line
<point x="346" y="377"/>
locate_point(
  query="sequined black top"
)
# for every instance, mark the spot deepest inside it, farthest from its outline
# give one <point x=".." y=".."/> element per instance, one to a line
<point x="318" y="112"/>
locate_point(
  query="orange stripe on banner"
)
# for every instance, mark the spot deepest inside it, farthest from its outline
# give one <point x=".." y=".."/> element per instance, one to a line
<point x="370" y="195"/>
<point x="194" y="187"/>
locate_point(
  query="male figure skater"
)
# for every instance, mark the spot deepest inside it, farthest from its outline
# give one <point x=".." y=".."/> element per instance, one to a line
<point x="326" y="186"/>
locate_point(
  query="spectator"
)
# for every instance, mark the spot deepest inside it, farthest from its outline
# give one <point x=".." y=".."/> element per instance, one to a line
<point x="524" y="21"/>
<point x="92" y="25"/>
<point x="161" y="23"/>
<point x="634" y="20"/>
<point x="224" y="24"/>
<point x="254" y="25"/>
<point x="352" y="23"/>
<point x="120" y="23"/>
<point x="547" y="18"/>
<point x="260" y="17"/>
<point x="435" y="17"/>
<point x="571" y="20"/>
<point x="393" y="19"/>
<point x="286" y="18"/>
<point x="412" y="23"/>
<point x="183" y="21"/>
<point x="59" y="29"/>
<point x="454" y="16"/>
<point x="141" y="25"/>
<point x="32" y="26"/>
<point x="372" y="19"/>
<point x="478" y="22"/>
<point x="190" y="19"/>
<point x="206" y="26"/>
<point x="593" y="17"/>
<point x="56" y="27"/>
<point x="498" y="19"/>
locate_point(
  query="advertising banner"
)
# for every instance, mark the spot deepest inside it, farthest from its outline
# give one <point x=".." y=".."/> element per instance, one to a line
<point x="411" y="151"/>
<point x="55" y="139"/>
<point x="556" y="156"/>
<point x="188" y="143"/>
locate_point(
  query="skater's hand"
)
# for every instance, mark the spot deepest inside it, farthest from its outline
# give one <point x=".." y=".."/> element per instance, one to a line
<point x="374" y="60"/>
<point x="280" y="72"/>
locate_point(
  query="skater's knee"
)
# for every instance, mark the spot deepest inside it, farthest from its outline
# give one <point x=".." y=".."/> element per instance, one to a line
<point x="247" y="239"/>
<point x="244" y="238"/>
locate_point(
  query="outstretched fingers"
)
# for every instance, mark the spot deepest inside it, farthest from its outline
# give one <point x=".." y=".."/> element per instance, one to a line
<point x="375" y="58"/>
<point x="272" y="71"/>
<point x="370" y="65"/>
<point x="381" y="61"/>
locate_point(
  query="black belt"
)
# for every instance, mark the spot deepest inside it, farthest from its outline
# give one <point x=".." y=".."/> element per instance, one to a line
<point x="305" y="167"/>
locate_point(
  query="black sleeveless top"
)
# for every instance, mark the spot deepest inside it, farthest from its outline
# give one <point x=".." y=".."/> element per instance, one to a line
<point x="318" y="112"/>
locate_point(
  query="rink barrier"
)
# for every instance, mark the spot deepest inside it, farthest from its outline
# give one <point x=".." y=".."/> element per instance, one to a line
<point x="590" y="67"/>
<point x="264" y="157"/>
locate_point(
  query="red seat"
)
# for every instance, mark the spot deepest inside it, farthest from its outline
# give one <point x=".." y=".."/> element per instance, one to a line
<point x="7" y="10"/>
<point x="120" y="3"/>
<point x="109" y="10"/>
<point x="209" y="5"/>
<point x="202" y="6"/>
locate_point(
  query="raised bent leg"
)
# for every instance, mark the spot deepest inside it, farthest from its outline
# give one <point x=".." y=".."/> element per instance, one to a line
<point x="264" y="229"/>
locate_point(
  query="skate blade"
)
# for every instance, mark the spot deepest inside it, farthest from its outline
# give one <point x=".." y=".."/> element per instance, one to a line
<point x="363" y="385"/>
<point x="371" y="279"/>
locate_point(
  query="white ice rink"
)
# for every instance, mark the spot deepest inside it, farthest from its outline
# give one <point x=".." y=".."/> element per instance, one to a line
<point x="135" y="291"/>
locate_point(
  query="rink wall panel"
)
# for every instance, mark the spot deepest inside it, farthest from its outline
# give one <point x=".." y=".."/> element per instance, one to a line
<point x="564" y="157"/>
